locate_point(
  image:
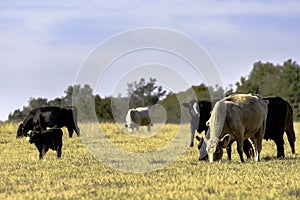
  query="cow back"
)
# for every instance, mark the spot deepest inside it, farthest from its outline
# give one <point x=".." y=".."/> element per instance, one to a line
<point x="52" y="138"/>
<point x="141" y="118"/>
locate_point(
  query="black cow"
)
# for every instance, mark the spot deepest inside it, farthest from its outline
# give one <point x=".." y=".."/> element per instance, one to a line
<point x="43" y="117"/>
<point x="44" y="140"/>
<point x="279" y="119"/>
<point x="200" y="114"/>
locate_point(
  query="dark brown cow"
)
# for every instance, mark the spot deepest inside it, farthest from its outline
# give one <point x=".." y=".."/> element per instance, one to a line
<point x="48" y="117"/>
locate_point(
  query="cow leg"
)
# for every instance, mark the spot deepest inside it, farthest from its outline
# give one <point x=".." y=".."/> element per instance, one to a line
<point x="228" y="149"/>
<point x="77" y="130"/>
<point x="70" y="130"/>
<point x="258" y="150"/>
<point x="149" y="128"/>
<point x="59" y="152"/>
<point x="46" y="150"/>
<point x="280" y="147"/>
<point x="41" y="155"/>
<point x="291" y="139"/>
<point x="258" y="144"/>
<point x="43" y="152"/>
<point x="192" y="130"/>
<point x="240" y="146"/>
<point x="248" y="149"/>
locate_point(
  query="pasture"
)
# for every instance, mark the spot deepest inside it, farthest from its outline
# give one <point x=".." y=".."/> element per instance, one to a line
<point x="78" y="175"/>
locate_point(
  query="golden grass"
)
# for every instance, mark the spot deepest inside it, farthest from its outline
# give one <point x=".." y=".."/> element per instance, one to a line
<point x="78" y="175"/>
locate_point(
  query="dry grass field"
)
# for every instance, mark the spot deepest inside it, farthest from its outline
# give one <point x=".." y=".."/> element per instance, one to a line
<point x="78" y="175"/>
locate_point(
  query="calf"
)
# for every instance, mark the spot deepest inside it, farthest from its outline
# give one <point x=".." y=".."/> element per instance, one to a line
<point x="44" y="140"/>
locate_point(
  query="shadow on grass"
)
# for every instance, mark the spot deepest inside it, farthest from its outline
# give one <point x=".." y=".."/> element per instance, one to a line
<point x="274" y="158"/>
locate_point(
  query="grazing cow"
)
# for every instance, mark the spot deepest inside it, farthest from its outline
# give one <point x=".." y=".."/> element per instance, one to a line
<point x="241" y="116"/>
<point x="138" y="117"/>
<point x="44" y="140"/>
<point x="200" y="114"/>
<point x="226" y="142"/>
<point x="279" y="119"/>
<point x="43" y="117"/>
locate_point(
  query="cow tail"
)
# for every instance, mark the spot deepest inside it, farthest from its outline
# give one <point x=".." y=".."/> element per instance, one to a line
<point x="289" y="126"/>
<point x="217" y="120"/>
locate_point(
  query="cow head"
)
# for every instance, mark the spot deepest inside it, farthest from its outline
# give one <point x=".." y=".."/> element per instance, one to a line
<point x="202" y="147"/>
<point x="193" y="107"/>
<point x="215" y="148"/>
<point x="20" y="131"/>
<point x="130" y="127"/>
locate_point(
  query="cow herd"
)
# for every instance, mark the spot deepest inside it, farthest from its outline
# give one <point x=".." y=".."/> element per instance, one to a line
<point x="240" y="117"/>
<point x="39" y="119"/>
<point x="244" y="118"/>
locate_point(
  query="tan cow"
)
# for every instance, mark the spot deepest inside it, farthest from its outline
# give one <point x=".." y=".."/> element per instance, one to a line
<point x="241" y="116"/>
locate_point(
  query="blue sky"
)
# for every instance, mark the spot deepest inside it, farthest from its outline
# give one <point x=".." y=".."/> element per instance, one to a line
<point x="44" y="43"/>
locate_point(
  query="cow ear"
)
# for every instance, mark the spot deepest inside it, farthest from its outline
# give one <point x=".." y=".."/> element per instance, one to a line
<point x="224" y="141"/>
<point x="207" y="123"/>
<point x="185" y="104"/>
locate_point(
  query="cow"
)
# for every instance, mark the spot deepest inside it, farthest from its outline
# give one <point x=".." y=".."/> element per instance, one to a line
<point x="226" y="142"/>
<point x="44" y="140"/>
<point x="279" y="119"/>
<point x="136" y="117"/>
<point x="241" y="116"/>
<point x="200" y="114"/>
<point x="49" y="117"/>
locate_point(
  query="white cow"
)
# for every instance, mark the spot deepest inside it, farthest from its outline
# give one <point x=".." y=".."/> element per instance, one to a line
<point x="138" y="117"/>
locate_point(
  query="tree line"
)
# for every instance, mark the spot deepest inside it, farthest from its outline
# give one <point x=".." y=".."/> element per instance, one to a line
<point x="268" y="79"/>
<point x="265" y="79"/>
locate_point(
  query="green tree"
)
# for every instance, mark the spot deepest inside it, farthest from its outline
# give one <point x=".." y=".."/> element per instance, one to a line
<point x="103" y="109"/>
<point x="263" y="79"/>
<point x="289" y="80"/>
<point x="82" y="97"/>
<point x="267" y="79"/>
<point x="144" y="93"/>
